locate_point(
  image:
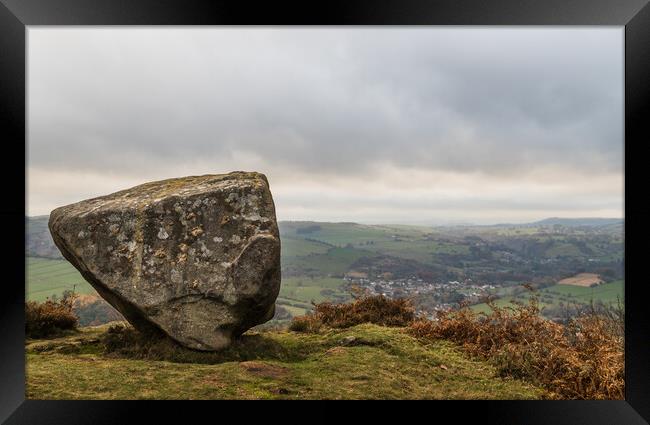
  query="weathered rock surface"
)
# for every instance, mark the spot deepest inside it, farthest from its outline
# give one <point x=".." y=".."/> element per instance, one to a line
<point x="195" y="257"/>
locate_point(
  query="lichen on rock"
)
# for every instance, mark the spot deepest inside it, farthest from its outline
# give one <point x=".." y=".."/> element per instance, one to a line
<point x="197" y="258"/>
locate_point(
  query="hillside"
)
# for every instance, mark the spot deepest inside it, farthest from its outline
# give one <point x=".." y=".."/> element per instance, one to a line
<point x="578" y="222"/>
<point x="363" y="362"/>
<point x="38" y="241"/>
<point x="436" y="266"/>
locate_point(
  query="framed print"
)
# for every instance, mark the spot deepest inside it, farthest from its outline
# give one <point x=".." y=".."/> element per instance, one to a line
<point x="430" y="201"/>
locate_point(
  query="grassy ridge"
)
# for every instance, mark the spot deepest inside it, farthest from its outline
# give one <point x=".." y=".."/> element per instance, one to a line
<point x="363" y="362"/>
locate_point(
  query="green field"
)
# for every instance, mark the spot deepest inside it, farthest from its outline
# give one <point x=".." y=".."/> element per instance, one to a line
<point x="563" y="249"/>
<point x="338" y="234"/>
<point x="552" y="296"/>
<point x="295" y="311"/>
<point x="308" y="289"/>
<point x="299" y="247"/>
<point x="336" y="261"/>
<point x="47" y="277"/>
<point x="424" y="251"/>
<point x="607" y="292"/>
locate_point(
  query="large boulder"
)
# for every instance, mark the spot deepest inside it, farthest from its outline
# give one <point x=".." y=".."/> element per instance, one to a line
<point x="197" y="258"/>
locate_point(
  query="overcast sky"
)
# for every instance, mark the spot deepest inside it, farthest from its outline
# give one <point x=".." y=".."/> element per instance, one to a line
<point x="373" y="125"/>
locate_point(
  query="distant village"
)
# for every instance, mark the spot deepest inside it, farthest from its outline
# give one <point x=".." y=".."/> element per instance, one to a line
<point x="441" y="296"/>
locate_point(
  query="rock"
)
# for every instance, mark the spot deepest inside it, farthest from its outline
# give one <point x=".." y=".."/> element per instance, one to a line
<point x="197" y="258"/>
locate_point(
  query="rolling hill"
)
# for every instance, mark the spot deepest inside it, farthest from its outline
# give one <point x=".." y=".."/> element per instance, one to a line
<point x="322" y="261"/>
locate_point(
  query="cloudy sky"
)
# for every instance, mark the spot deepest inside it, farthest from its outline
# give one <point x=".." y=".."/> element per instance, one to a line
<point x="410" y="125"/>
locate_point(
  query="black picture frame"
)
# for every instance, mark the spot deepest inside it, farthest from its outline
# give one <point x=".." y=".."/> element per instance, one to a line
<point x="16" y="15"/>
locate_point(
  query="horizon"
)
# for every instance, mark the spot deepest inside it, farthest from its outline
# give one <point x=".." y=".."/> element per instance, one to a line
<point x="448" y="224"/>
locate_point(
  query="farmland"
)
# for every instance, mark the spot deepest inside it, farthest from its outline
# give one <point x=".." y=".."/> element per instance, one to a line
<point x="437" y="267"/>
<point x="47" y="277"/>
<point x="582" y="279"/>
<point x="555" y="298"/>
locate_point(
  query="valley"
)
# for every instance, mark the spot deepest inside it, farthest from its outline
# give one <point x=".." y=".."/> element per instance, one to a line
<point x="436" y="267"/>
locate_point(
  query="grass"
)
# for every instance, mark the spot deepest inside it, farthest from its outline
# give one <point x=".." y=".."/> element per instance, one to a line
<point x="306" y="289"/>
<point x="47" y="277"/>
<point x="340" y="234"/>
<point x="563" y="249"/>
<point x="607" y="292"/>
<point x="336" y="261"/>
<point x="295" y="303"/>
<point x="363" y="362"/>
<point x="292" y="247"/>
<point x="295" y="311"/>
<point x="419" y="250"/>
<point x="304" y="293"/>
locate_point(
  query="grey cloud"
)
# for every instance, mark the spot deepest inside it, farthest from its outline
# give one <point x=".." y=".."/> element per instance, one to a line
<point x="329" y="102"/>
<point x="493" y="100"/>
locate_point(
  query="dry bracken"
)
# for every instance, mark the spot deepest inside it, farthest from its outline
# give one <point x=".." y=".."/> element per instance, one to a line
<point x="583" y="359"/>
